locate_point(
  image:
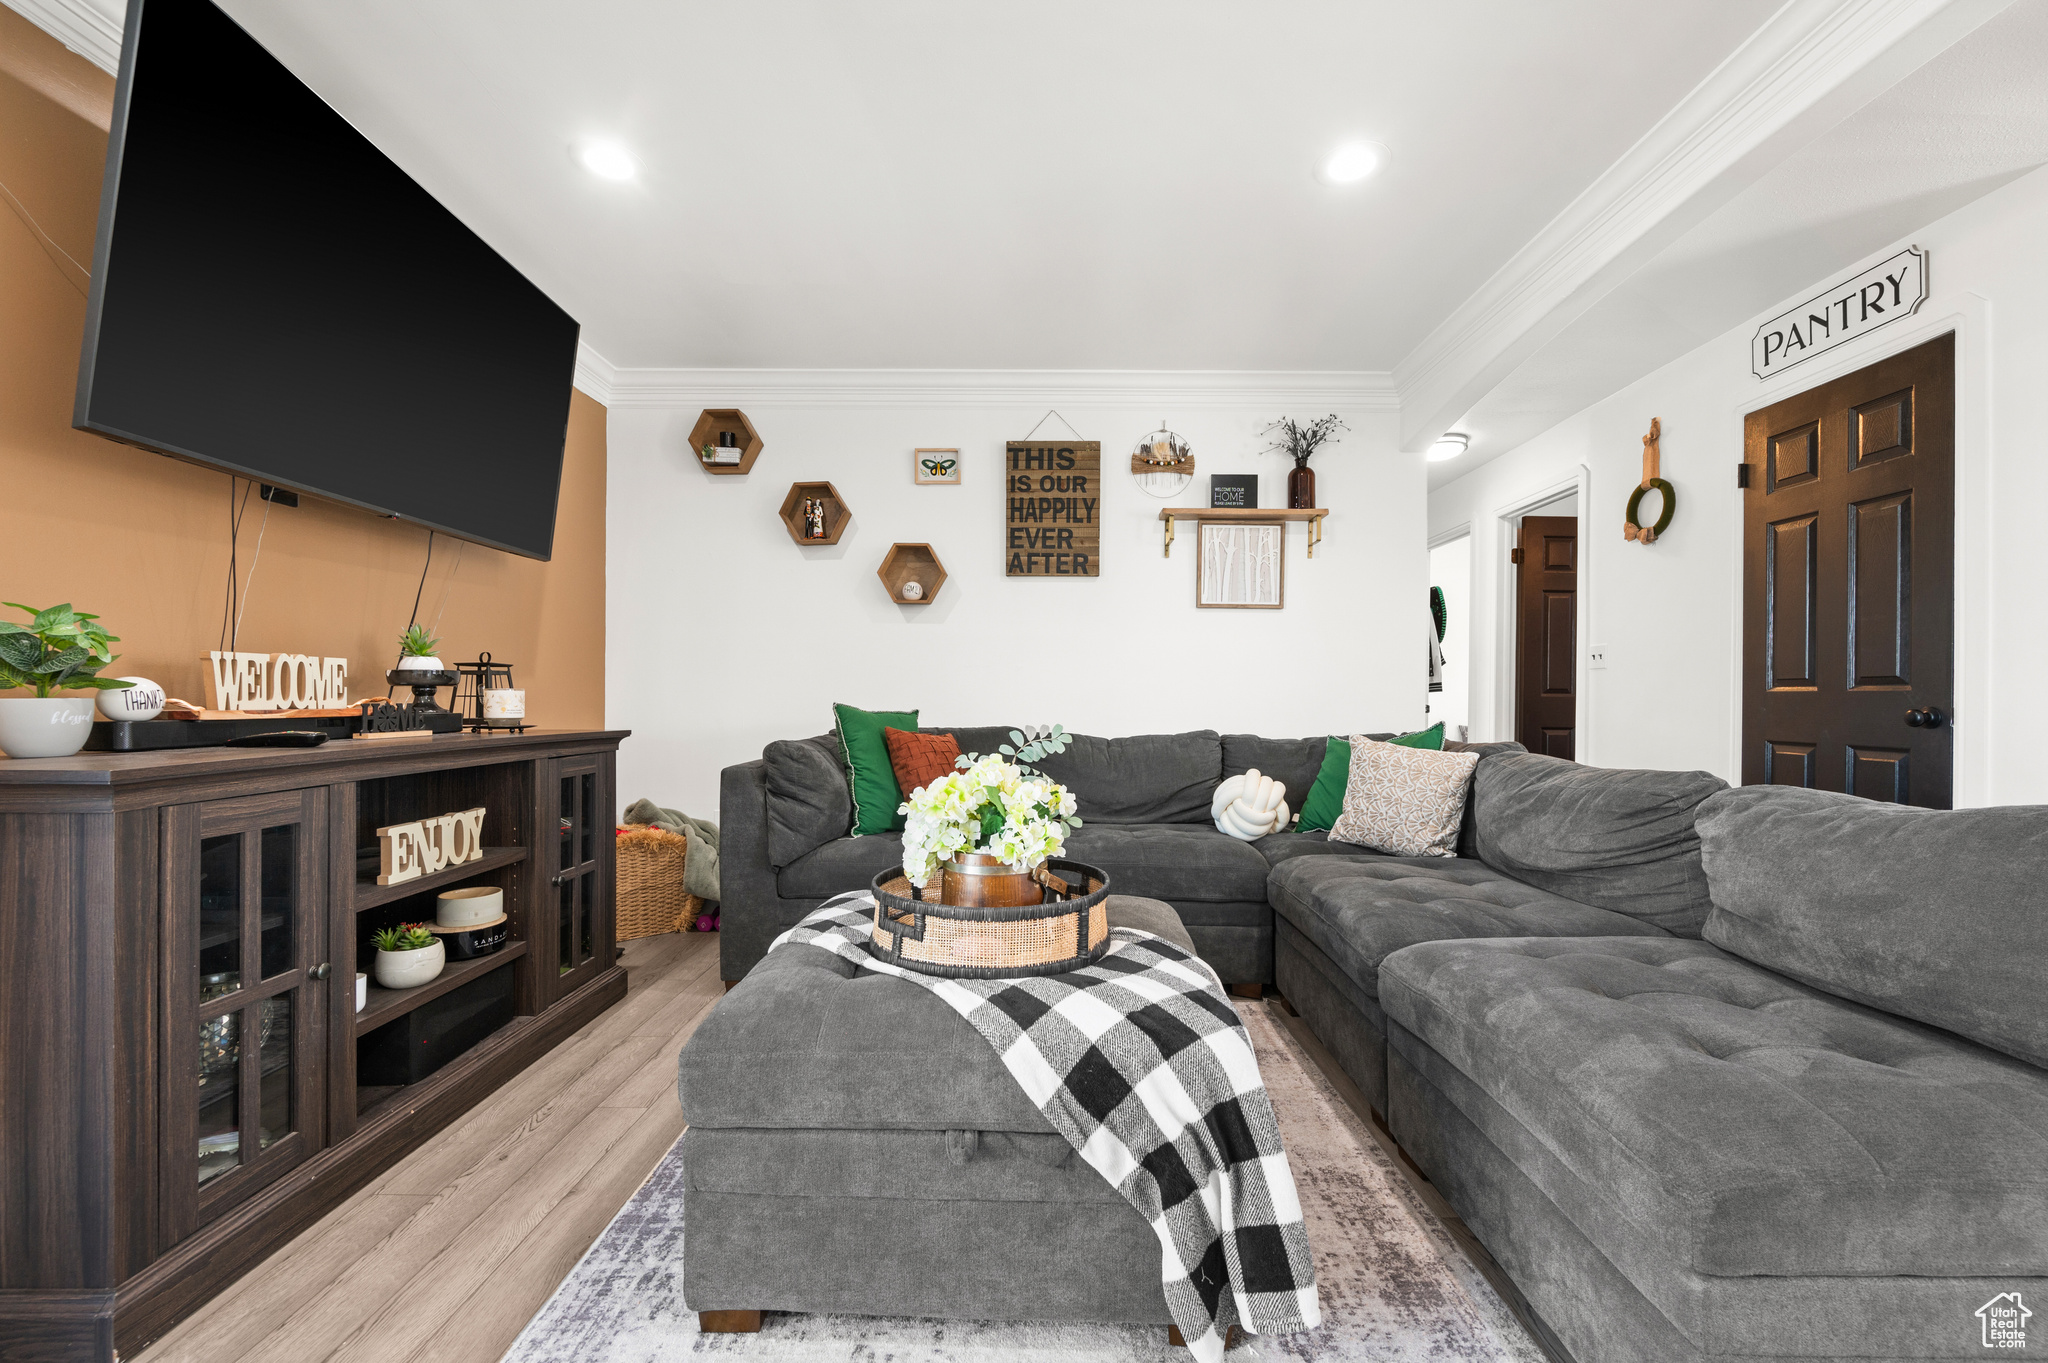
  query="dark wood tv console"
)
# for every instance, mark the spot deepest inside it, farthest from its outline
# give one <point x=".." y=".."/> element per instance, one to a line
<point x="179" y="937"/>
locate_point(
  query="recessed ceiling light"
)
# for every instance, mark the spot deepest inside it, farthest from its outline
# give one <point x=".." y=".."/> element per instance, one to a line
<point x="1449" y="445"/>
<point x="608" y="159"/>
<point x="1350" y="163"/>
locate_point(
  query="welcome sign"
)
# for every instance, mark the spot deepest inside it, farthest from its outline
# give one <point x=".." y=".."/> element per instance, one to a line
<point x="1053" y="494"/>
<point x="1883" y="293"/>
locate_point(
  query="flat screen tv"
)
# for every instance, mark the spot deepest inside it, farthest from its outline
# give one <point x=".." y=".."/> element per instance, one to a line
<point x="272" y="297"/>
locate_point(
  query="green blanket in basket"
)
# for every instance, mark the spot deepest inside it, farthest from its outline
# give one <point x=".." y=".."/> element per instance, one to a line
<point x="700" y="868"/>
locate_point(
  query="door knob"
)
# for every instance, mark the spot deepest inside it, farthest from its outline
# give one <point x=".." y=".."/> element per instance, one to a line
<point x="320" y="971"/>
<point x="1929" y="718"/>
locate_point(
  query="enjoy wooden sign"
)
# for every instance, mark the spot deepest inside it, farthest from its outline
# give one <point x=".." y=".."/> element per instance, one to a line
<point x="407" y="851"/>
<point x="1053" y="495"/>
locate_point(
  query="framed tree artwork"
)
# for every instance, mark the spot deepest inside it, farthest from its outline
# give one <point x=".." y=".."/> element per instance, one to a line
<point x="1241" y="565"/>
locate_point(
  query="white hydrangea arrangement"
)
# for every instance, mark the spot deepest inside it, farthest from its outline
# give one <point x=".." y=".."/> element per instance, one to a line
<point x="995" y="804"/>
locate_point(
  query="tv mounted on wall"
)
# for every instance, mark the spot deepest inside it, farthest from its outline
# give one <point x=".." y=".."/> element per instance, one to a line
<point x="272" y="297"/>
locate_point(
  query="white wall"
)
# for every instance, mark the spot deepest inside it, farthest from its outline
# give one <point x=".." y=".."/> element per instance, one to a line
<point x="727" y="635"/>
<point x="1669" y="613"/>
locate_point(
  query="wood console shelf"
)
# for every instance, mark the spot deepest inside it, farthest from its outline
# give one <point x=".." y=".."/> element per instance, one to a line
<point x="1242" y="514"/>
<point x="179" y="1047"/>
<point x="369" y="894"/>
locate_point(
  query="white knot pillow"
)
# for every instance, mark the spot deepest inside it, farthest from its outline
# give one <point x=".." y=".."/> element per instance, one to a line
<point x="1250" y="806"/>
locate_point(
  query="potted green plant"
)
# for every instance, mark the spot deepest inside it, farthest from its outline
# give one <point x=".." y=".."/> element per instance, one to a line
<point x="416" y="651"/>
<point x="59" y="649"/>
<point x="408" y="956"/>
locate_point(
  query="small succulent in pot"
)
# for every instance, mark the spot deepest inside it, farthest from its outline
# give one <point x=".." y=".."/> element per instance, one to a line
<point x="416" y="651"/>
<point x="408" y="955"/>
<point x="404" y="937"/>
<point x="59" y="649"/>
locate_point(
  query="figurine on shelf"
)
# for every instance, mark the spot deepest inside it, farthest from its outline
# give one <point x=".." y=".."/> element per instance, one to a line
<point x="814" y="518"/>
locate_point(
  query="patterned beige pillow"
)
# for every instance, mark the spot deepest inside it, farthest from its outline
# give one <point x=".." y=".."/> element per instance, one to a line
<point x="1404" y="801"/>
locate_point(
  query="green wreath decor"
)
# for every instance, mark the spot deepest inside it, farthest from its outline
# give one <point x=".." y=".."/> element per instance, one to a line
<point x="1635" y="529"/>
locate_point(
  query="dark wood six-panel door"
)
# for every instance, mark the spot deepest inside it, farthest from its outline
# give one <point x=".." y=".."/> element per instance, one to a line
<point x="1849" y="583"/>
<point x="1547" y="637"/>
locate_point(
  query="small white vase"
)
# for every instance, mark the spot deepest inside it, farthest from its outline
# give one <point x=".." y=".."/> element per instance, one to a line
<point x="410" y="969"/>
<point x="45" y="726"/>
<point x="412" y="663"/>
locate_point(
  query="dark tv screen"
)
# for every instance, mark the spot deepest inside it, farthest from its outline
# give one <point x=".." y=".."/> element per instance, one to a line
<point x="272" y="297"/>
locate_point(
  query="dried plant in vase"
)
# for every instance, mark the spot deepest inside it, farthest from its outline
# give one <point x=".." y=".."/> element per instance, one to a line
<point x="1298" y="442"/>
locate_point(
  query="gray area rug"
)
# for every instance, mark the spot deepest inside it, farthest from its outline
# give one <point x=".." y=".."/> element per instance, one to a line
<point x="1395" y="1287"/>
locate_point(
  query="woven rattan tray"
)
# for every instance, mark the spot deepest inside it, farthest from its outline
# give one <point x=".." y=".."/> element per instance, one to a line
<point x="972" y="943"/>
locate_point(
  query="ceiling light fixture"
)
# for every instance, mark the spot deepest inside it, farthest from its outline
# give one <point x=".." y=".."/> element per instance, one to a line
<point x="1449" y="445"/>
<point x="608" y="159"/>
<point x="1350" y="163"/>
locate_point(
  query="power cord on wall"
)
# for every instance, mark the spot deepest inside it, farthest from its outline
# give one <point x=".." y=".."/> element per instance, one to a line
<point x="48" y="242"/>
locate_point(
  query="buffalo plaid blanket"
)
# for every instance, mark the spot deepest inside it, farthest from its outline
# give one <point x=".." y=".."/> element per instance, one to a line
<point x="1142" y="1064"/>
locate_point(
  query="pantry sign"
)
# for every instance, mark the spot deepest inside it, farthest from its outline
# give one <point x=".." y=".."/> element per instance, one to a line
<point x="1883" y="293"/>
<point x="1053" y="494"/>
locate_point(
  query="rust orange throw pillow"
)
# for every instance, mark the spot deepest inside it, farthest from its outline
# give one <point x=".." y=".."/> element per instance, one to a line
<point x="920" y="759"/>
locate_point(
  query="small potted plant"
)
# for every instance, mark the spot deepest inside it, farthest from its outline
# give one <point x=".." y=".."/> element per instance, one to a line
<point x="408" y="956"/>
<point x="1298" y="442"/>
<point x="416" y="651"/>
<point x="59" y="649"/>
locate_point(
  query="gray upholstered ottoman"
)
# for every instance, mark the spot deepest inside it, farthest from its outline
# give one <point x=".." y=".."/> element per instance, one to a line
<point x="855" y="1146"/>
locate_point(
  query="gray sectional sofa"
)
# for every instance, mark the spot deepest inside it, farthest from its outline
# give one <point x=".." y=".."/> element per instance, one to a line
<point x="1716" y="1075"/>
<point x="1145" y="805"/>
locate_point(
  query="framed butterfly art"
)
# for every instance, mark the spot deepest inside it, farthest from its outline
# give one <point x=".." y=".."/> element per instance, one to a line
<point x="935" y="466"/>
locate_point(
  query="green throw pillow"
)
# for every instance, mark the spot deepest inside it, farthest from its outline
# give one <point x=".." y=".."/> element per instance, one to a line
<point x="866" y="754"/>
<point x="1326" y="797"/>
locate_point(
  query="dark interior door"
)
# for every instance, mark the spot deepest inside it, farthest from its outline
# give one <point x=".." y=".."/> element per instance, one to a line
<point x="1547" y="636"/>
<point x="1848" y="583"/>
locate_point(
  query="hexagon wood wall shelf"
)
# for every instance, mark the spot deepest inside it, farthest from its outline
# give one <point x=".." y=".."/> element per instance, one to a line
<point x="907" y="563"/>
<point x="706" y="431"/>
<point x="792" y="513"/>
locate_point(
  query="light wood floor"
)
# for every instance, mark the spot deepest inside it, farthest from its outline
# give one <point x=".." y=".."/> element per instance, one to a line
<point x="450" y="1252"/>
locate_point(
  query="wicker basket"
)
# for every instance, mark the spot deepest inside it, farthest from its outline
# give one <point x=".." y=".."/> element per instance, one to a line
<point x="918" y="933"/>
<point x="651" y="895"/>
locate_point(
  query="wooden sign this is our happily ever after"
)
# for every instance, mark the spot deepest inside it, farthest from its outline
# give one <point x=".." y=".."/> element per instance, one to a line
<point x="407" y="851"/>
<point x="1052" y="494"/>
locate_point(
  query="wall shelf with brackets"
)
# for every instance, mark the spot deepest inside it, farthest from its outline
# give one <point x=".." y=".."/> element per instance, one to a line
<point x="1312" y="515"/>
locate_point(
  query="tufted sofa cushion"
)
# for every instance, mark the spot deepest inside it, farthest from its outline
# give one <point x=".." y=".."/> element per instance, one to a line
<point x="1743" y="1122"/>
<point x="1359" y="909"/>
<point x="1938" y="915"/>
<point x="1620" y="839"/>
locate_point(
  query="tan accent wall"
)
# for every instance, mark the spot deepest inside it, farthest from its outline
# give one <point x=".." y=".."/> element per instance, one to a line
<point x="142" y="540"/>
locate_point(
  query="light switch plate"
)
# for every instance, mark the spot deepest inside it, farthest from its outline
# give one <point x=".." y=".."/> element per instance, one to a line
<point x="1596" y="657"/>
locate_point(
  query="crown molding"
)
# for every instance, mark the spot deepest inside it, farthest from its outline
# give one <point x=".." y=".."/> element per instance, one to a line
<point x="594" y="373"/>
<point x="80" y="25"/>
<point x="1812" y="64"/>
<point x="616" y="387"/>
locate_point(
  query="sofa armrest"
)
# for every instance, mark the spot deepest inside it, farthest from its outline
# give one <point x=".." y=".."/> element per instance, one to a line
<point x="749" y="903"/>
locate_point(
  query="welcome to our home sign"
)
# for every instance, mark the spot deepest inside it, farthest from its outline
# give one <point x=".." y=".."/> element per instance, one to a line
<point x="1053" y="494"/>
<point x="1883" y="293"/>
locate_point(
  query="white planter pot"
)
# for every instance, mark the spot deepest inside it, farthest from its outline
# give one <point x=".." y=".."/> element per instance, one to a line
<point x="54" y="726"/>
<point x="410" y="969"/>
<point x="410" y="663"/>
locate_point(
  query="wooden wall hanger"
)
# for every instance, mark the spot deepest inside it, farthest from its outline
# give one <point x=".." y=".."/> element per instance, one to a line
<point x="1632" y="528"/>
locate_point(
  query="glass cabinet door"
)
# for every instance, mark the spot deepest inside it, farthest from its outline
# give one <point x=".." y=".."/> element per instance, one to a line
<point x="580" y="870"/>
<point x="244" y="997"/>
